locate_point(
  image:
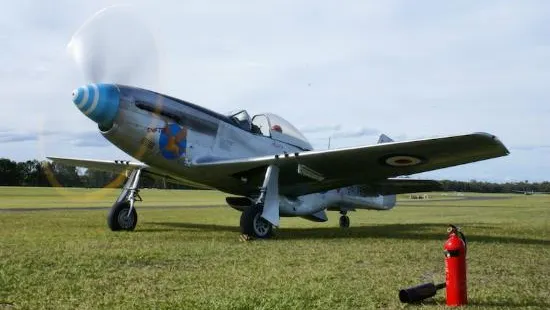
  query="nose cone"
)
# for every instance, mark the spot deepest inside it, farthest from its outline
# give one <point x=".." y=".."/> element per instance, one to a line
<point x="99" y="102"/>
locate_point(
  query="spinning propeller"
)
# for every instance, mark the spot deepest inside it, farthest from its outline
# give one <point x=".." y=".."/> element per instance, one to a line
<point x="114" y="46"/>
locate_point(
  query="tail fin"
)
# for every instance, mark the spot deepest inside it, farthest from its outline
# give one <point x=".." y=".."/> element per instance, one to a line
<point x="384" y="139"/>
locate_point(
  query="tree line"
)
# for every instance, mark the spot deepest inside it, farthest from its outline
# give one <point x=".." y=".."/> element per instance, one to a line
<point x="45" y="174"/>
<point x="488" y="187"/>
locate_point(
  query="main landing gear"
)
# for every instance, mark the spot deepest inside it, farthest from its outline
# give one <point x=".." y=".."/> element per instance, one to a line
<point x="344" y="219"/>
<point x="257" y="220"/>
<point x="123" y="215"/>
<point x="253" y="224"/>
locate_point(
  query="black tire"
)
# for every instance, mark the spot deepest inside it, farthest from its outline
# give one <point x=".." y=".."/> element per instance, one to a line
<point x="118" y="218"/>
<point x="344" y="221"/>
<point x="252" y="224"/>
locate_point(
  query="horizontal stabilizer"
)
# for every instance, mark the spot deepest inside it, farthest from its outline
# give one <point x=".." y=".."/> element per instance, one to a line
<point x="400" y="186"/>
<point x="320" y="216"/>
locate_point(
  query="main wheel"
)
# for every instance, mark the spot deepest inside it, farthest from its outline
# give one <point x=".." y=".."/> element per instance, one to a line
<point x="119" y="219"/>
<point x="253" y="224"/>
<point x="344" y="221"/>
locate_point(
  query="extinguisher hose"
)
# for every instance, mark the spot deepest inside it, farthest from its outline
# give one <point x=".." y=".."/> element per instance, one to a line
<point x="462" y="236"/>
<point x="458" y="231"/>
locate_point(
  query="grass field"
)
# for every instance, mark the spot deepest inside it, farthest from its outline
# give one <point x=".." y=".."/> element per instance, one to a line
<point x="190" y="258"/>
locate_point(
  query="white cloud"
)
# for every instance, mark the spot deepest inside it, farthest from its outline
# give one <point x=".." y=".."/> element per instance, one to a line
<point x="320" y="128"/>
<point x="80" y="139"/>
<point x="360" y="132"/>
<point x="408" y="69"/>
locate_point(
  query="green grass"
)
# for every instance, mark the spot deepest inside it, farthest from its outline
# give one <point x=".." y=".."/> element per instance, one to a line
<point x="43" y="197"/>
<point x="190" y="258"/>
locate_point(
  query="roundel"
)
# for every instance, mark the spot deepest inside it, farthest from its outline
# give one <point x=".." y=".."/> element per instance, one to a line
<point x="403" y="161"/>
<point x="173" y="141"/>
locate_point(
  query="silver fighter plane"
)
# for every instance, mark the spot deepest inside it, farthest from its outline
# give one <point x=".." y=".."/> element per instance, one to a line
<point x="264" y="164"/>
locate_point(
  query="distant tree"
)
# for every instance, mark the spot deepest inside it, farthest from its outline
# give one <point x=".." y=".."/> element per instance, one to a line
<point x="96" y="178"/>
<point x="31" y="173"/>
<point x="66" y="175"/>
<point x="9" y="174"/>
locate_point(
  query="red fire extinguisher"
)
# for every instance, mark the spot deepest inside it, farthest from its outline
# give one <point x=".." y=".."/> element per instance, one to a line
<point x="455" y="267"/>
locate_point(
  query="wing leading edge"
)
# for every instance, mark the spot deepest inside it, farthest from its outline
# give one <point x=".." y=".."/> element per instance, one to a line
<point x="115" y="166"/>
<point x="121" y="166"/>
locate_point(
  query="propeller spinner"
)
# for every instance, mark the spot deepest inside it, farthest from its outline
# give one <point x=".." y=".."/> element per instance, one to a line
<point x="99" y="102"/>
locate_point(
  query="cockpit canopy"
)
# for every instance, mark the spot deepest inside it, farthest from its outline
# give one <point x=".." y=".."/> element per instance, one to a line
<point x="273" y="126"/>
<point x="242" y="119"/>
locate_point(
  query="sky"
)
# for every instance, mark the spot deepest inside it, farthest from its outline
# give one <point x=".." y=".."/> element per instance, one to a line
<point x="348" y="70"/>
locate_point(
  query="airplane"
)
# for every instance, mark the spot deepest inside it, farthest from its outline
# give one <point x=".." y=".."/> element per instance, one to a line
<point x="531" y="192"/>
<point x="264" y="162"/>
<point x="266" y="166"/>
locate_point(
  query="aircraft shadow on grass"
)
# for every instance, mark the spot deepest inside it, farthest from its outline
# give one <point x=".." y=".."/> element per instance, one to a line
<point x="420" y="231"/>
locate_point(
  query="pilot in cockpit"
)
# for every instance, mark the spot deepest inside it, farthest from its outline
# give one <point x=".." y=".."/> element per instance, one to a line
<point x="243" y="120"/>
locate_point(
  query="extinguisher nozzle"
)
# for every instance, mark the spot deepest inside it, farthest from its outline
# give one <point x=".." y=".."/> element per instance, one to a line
<point x="452" y="229"/>
<point x="419" y="293"/>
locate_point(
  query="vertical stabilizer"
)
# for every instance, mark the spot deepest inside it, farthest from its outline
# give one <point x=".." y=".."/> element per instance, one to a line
<point x="384" y="139"/>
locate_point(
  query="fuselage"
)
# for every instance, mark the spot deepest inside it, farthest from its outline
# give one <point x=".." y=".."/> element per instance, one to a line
<point x="172" y="135"/>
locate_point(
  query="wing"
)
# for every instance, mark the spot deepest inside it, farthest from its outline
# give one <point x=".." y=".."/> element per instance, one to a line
<point x="116" y="166"/>
<point x="315" y="171"/>
<point x="121" y="166"/>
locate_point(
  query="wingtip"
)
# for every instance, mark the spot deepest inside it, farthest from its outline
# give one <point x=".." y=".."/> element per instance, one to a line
<point x="54" y="158"/>
<point x="496" y="140"/>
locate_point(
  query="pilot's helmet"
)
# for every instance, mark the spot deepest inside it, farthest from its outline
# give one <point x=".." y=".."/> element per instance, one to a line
<point x="277" y="128"/>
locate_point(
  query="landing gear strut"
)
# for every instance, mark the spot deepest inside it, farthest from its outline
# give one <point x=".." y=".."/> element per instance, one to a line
<point x="344" y="219"/>
<point x="123" y="215"/>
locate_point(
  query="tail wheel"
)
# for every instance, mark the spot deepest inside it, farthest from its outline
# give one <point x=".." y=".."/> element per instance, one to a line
<point x="120" y="217"/>
<point x="344" y="221"/>
<point x="253" y="224"/>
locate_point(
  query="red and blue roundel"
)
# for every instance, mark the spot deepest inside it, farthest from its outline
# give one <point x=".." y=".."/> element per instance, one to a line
<point x="173" y="141"/>
<point x="402" y="160"/>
